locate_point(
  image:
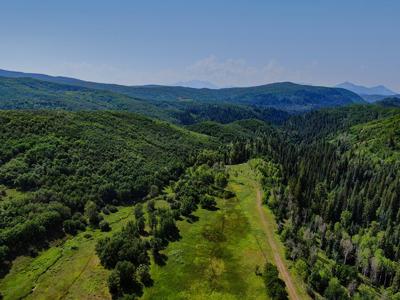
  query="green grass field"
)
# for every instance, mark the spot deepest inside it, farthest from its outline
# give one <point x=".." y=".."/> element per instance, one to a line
<point x="69" y="269"/>
<point x="217" y="255"/>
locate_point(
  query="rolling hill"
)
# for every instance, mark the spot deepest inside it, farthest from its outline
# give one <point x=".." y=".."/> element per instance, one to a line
<point x="283" y="96"/>
<point x="60" y="161"/>
<point x="389" y="102"/>
<point x="28" y="93"/>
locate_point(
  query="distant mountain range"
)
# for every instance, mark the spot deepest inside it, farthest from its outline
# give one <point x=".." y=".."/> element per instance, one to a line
<point x="197" y="84"/>
<point x="363" y="90"/>
<point x="286" y="96"/>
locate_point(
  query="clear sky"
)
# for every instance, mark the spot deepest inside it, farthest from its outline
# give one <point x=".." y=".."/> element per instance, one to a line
<point x="225" y="42"/>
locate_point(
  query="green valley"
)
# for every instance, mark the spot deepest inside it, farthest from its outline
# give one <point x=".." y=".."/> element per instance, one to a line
<point x="199" y="150"/>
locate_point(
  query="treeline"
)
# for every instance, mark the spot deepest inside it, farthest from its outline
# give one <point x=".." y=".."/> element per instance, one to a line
<point x="320" y="124"/>
<point x="69" y="166"/>
<point x="126" y="253"/>
<point x="194" y="112"/>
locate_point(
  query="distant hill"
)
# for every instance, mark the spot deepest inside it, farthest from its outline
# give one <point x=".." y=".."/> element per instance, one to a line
<point x="376" y="98"/>
<point x="197" y="84"/>
<point x="283" y="96"/>
<point x="28" y="93"/>
<point x="390" y="102"/>
<point x="362" y="90"/>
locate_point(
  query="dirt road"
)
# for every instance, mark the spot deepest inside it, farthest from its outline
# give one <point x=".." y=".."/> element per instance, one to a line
<point x="283" y="271"/>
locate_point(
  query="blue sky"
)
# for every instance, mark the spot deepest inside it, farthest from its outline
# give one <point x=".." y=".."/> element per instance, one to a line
<point x="225" y="42"/>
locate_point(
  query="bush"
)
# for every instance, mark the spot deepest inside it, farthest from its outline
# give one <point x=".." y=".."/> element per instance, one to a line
<point x="112" y="208"/>
<point x="92" y="213"/>
<point x="73" y="226"/>
<point x="221" y="180"/>
<point x="207" y="201"/>
<point x="104" y="226"/>
<point x="143" y="273"/>
<point x="274" y="285"/>
<point x="228" y="194"/>
<point x="114" y="285"/>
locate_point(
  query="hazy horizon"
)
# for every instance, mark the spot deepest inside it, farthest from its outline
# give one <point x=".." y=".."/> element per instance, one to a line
<point x="226" y="44"/>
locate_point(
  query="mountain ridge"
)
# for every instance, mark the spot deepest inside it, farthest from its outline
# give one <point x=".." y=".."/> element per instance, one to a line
<point x="363" y="90"/>
<point x="197" y="84"/>
<point x="285" y="96"/>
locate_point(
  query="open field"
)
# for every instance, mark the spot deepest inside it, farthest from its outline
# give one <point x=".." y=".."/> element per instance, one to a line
<point x="69" y="269"/>
<point x="218" y="255"/>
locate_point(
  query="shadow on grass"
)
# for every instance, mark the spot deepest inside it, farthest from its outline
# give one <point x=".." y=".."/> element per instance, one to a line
<point x="144" y="233"/>
<point x="131" y="291"/>
<point x="32" y="250"/>
<point x="148" y="283"/>
<point x="160" y="258"/>
<point x="211" y="208"/>
<point x="4" y="269"/>
<point x="192" y="218"/>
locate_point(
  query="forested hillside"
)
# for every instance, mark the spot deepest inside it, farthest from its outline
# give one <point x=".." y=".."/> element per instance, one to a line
<point x="65" y="164"/>
<point x="27" y="93"/>
<point x="389" y="102"/>
<point x="338" y="205"/>
<point x="330" y="176"/>
<point x="238" y="130"/>
<point x="283" y="96"/>
<point x="323" y="123"/>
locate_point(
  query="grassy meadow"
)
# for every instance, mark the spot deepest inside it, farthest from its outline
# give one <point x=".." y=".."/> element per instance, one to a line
<point x="69" y="269"/>
<point x="218" y="255"/>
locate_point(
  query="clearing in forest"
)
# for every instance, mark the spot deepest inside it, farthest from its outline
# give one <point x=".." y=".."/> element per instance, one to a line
<point x="219" y="253"/>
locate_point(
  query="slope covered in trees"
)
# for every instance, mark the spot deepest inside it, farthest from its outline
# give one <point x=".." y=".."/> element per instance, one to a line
<point x="334" y="185"/>
<point x="325" y="123"/>
<point x="190" y="112"/>
<point x="389" y="102"/>
<point x="28" y="93"/>
<point x="238" y="130"/>
<point x="285" y="95"/>
<point x="72" y="163"/>
<point x="338" y="203"/>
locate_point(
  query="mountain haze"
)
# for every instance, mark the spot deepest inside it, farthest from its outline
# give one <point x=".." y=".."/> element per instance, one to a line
<point x="362" y="90"/>
<point x="197" y="84"/>
<point x="286" y="96"/>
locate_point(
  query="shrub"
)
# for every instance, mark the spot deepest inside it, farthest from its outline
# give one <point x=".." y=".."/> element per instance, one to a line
<point x="104" y="226"/>
<point x="207" y="201"/>
<point x="274" y="285"/>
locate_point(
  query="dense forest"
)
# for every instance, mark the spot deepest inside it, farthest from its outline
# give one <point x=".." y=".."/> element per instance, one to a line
<point x="70" y="164"/>
<point x="337" y="201"/>
<point x="28" y="93"/>
<point x="330" y="176"/>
